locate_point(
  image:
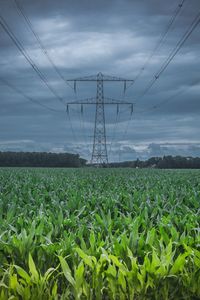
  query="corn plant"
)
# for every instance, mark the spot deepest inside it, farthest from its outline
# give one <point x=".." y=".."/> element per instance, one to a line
<point x="99" y="234"/>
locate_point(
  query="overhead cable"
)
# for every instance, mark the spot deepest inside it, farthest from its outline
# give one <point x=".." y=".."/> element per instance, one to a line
<point x="162" y="38"/>
<point x="173" y="53"/>
<point x="42" y="47"/>
<point x="18" y="91"/>
<point x="170" y="98"/>
<point x="27" y="57"/>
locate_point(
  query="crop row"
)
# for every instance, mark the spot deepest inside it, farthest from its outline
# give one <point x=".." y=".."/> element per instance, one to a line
<point x="99" y="234"/>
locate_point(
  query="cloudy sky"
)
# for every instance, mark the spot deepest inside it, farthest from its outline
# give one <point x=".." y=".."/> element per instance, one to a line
<point x="118" y="38"/>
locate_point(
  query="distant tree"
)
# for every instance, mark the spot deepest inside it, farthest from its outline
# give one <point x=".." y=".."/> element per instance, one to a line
<point x="165" y="162"/>
<point x="40" y="159"/>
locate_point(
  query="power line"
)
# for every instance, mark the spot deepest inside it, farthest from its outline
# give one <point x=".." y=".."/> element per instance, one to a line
<point x="127" y="126"/>
<point x="18" y="91"/>
<point x="124" y="134"/>
<point x="81" y="119"/>
<point x="179" y="45"/>
<point x="27" y="57"/>
<point x="42" y="47"/>
<point x="72" y="129"/>
<point x="176" y="49"/>
<point x="82" y="125"/>
<point x="165" y="101"/>
<point x="114" y="132"/>
<point x="162" y="39"/>
<point x="116" y="122"/>
<point x="117" y="119"/>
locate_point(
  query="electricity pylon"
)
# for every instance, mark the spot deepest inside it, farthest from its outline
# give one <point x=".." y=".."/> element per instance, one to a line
<point x="99" y="151"/>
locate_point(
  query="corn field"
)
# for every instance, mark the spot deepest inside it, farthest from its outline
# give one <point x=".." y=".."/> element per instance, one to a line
<point x="99" y="234"/>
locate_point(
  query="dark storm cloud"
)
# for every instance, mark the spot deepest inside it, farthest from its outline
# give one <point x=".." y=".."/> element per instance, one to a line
<point x="114" y="37"/>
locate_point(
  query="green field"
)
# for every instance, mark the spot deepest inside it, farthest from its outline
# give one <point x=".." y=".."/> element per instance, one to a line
<point x="99" y="234"/>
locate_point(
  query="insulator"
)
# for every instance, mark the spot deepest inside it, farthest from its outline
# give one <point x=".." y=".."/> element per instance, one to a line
<point x="131" y="109"/>
<point x="117" y="108"/>
<point x="67" y="108"/>
<point x="75" y="86"/>
<point x="124" y="86"/>
<point x="81" y="108"/>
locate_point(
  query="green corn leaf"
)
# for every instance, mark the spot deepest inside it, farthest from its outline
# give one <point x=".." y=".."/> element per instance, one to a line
<point x="48" y="273"/>
<point x="197" y="253"/>
<point x="92" y="240"/>
<point x="155" y="260"/>
<point x="23" y="274"/>
<point x="27" y="293"/>
<point x="2" y="284"/>
<point x="150" y="236"/>
<point x="169" y="254"/>
<point x="54" y="290"/>
<point x="66" y="270"/>
<point x="79" y="280"/>
<point x="147" y="263"/>
<point x="178" y="264"/>
<point x="20" y="290"/>
<point x="164" y="235"/>
<point x="122" y="281"/>
<point x="197" y="262"/>
<point x="115" y="260"/>
<point x="79" y="273"/>
<point x="133" y="260"/>
<point x="13" y="281"/>
<point x="88" y="260"/>
<point x="111" y="270"/>
<point x="32" y="268"/>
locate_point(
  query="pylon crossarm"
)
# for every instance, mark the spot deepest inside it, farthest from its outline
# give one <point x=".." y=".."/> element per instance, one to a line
<point x="94" y="101"/>
<point x="85" y="78"/>
<point x="83" y="101"/>
<point x="102" y="77"/>
<point x="115" y="101"/>
<point x="114" y="78"/>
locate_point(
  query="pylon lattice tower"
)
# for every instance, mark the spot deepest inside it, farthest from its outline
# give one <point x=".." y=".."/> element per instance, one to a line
<point x="99" y="150"/>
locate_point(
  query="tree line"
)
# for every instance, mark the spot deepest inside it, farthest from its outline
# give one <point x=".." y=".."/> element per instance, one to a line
<point x="40" y="159"/>
<point x="165" y="162"/>
<point x="67" y="160"/>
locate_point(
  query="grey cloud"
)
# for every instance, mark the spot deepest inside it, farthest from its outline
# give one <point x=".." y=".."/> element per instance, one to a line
<point x="115" y="37"/>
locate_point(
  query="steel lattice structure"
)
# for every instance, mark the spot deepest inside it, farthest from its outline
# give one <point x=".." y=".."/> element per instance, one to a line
<point x="99" y="151"/>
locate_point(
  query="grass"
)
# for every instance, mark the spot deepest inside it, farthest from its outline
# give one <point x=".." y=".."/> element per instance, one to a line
<point x="99" y="234"/>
